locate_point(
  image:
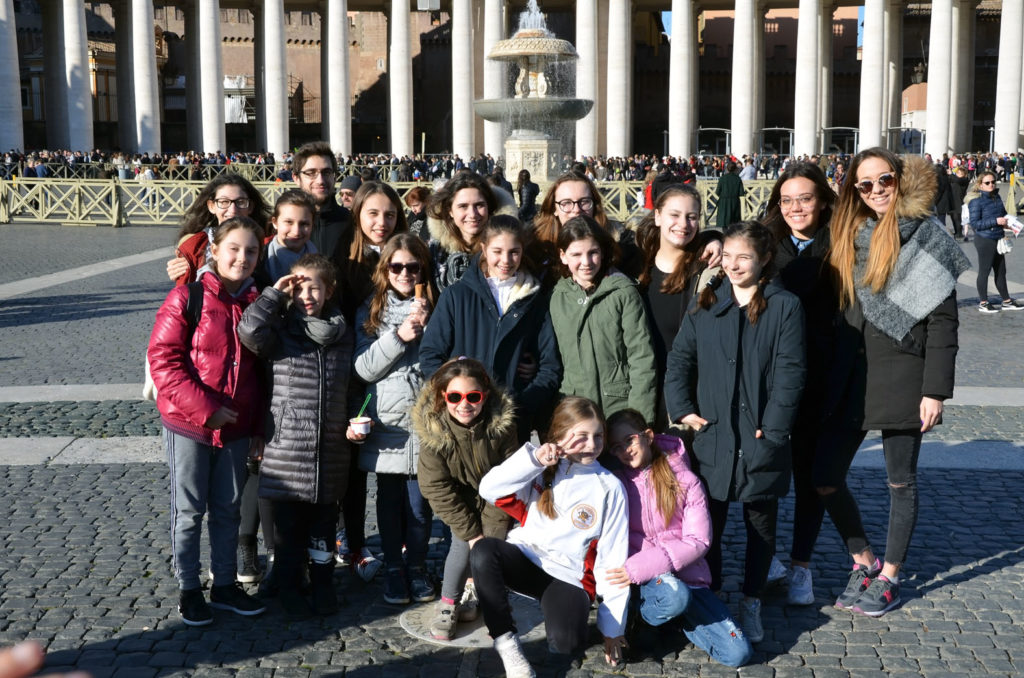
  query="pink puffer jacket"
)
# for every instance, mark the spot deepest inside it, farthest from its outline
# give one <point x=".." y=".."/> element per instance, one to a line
<point x="680" y="547"/>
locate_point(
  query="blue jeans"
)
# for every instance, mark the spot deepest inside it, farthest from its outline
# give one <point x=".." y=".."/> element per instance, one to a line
<point x="205" y="479"/>
<point x="704" y="618"/>
<point x="403" y="517"/>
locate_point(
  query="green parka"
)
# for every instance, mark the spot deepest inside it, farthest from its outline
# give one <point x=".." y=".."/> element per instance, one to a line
<point x="605" y="342"/>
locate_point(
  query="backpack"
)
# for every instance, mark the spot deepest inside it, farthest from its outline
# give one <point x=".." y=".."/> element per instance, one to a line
<point x="193" y="312"/>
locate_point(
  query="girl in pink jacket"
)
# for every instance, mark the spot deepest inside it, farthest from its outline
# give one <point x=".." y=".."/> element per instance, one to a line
<point x="669" y="533"/>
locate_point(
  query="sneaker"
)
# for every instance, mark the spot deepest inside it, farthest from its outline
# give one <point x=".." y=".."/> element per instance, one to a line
<point x="511" y="653"/>
<point x="777" y="572"/>
<point x="1012" y="305"/>
<point x="420" y="586"/>
<point x="801" y="590"/>
<point x="860" y="579"/>
<point x="880" y="597"/>
<point x="193" y="608"/>
<point x="396" y="590"/>
<point x="342" y="554"/>
<point x="249" y="571"/>
<point x="986" y="307"/>
<point x="750" y="619"/>
<point x="231" y="597"/>
<point x="469" y="606"/>
<point x="368" y="565"/>
<point x="443" y="625"/>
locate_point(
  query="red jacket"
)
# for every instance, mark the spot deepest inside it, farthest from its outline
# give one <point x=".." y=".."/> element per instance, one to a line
<point x="196" y="375"/>
<point x="193" y="249"/>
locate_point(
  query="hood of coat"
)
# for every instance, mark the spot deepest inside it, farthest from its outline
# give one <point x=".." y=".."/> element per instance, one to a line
<point x="449" y="239"/>
<point x="919" y="186"/>
<point x="431" y="425"/>
<point x="724" y="294"/>
<point x="613" y="281"/>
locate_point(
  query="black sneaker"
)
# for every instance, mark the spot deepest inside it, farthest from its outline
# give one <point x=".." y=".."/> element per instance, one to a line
<point x="986" y="307"/>
<point x="231" y="597"/>
<point x="249" y="570"/>
<point x="193" y="608"/>
<point x="420" y="587"/>
<point x="860" y="579"/>
<point x="1012" y="305"/>
<point x="880" y="597"/>
<point x="396" y="590"/>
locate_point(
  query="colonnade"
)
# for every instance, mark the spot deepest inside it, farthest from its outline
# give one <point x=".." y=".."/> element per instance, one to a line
<point x="605" y="78"/>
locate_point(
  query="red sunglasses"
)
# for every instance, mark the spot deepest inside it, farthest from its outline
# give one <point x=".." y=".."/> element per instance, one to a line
<point x="472" y="397"/>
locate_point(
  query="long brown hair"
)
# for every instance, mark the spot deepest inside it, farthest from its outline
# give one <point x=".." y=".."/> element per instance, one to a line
<point x="379" y="301"/>
<point x="762" y="241"/>
<point x="357" y="252"/>
<point x="570" y="411"/>
<point x="822" y="191"/>
<point x="667" y="492"/>
<point x="198" y="216"/>
<point x="440" y="205"/>
<point x="546" y="224"/>
<point x="648" y="238"/>
<point x="851" y="213"/>
<point x="582" y="228"/>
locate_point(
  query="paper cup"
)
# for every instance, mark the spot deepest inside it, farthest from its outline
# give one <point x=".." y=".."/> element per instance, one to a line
<point x="360" y="425"/>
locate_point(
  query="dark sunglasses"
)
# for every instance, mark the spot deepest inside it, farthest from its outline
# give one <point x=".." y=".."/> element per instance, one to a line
<point x="472" y="397"/>
<point x="413" y="267"/>
<point x="884" y="180"/>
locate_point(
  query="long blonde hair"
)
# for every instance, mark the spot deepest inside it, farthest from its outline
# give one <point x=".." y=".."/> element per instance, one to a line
<point x="850" y="215"/>
<point x="569" y="412"/>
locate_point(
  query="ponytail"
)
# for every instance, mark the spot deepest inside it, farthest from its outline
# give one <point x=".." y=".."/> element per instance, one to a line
<point x="707" y="297"/>
<point x="546" y="503"/>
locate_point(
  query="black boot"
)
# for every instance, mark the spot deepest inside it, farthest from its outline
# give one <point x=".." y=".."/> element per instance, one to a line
<point x="248" y="560"/>
<point x="325" y="598"/>
<point x="268" y="587"/>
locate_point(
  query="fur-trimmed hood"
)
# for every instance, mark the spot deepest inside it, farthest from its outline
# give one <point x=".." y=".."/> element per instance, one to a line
<point x="432" y="426"/>
<point x="449" y="241"/>
<point x="918" y="188"/>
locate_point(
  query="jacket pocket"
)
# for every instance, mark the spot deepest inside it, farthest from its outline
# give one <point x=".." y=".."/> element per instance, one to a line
<point x="705" y="444"/>
<point x="615" y="388"/>
<point x="771" y="456"/>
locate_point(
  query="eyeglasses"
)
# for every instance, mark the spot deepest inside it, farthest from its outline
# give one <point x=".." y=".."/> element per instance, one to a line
<point x="802" y="200"/>
<point x="472" y="397"/>
<point x="884" y="181"/>
<point x="583" y="203"/>
<point x="619" y="448"/>
<point x="396" y="268"/>
<point x="326" y="173"/>
<point x="224" y="203"/>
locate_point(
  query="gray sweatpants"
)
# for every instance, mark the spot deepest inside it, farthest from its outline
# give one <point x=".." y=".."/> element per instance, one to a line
<point x="456" y="570"/>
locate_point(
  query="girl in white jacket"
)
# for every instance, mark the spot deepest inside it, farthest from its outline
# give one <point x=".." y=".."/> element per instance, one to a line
<point x="573" y="527"/>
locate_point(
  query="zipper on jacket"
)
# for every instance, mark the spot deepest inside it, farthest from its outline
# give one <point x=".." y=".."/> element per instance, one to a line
<point x="320" y="420"/>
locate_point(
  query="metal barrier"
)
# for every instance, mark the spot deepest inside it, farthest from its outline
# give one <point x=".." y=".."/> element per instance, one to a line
<point x="112" y="202"/>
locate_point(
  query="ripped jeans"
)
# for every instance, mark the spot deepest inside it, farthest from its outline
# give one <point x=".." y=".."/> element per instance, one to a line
<point x="901" y="448"/>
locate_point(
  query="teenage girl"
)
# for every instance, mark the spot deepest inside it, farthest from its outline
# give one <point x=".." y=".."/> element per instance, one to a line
<point x="669" y="533"/>
<point x="456" y="215"/>
<point x="735" y="374"/>
<point x="465" y="426"/>
<point x="209" y="394"/>
<point x="498" y="314"/>
<point x="573" y="529"/>
<point x="601" y="325"/>
<point x="292" y="223"/>
<point x="389" y="326"/>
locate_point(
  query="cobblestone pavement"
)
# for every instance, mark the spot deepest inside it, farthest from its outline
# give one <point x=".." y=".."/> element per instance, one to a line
<point x="84" y="549"/>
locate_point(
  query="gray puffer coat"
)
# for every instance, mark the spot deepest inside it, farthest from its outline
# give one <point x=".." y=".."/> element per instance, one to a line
<point x="309" y="361"/>
<point x="391" y="369"/>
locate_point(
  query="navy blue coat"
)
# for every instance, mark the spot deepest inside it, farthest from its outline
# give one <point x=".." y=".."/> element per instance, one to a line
<point x="985" y="209"/>
<point x="466" y="323"/>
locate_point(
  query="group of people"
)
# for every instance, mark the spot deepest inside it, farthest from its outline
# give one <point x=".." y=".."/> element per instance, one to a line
<point x="577" y="402"/>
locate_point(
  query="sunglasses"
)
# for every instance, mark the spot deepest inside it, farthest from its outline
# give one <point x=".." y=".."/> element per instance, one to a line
<point x="413" y="267"/>
<point x="472" y="397"/>
<point x="884" y="181"/>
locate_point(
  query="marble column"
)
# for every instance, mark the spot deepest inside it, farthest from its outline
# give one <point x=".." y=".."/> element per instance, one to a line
<point x="1008" y="78"/>
<point x="872" y="73"/>
<point x="964" y="131"/>
<point x="825" y="16"/>
<point x="494" y="74"/>
<point x="743" y="86"/>
<point x="211" y="76"/>
<point x="760" y="77"/>
<point x="805" y="105"/>
<point x="275" y="78"/>
<point x="193" y="91"/>
<point x="940" y="63"/>
<point x="400" y="79"/>
<point x="124" y="33"/>
<point x="586" y="76"/>
<point x="682" y="124"/>
<point x="893" y="69"/>
<point x="336" y="100"/>
<point x="77" y="77"/>
<point x="620" y="73"/>
<point x="12" y="133"/>
<point x="462" y="80"/>
<point x="259" y="60"/>
<point x="145" y="78"/>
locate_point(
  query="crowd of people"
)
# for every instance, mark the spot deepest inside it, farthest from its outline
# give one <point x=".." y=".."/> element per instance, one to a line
<point x="578" y="402"/>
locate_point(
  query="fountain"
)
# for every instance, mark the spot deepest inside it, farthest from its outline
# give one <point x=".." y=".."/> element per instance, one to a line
<point x="535" y="51"/>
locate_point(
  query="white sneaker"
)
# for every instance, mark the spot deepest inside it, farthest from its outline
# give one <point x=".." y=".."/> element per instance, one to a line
<point x="511" y="653"/>
<point x="776" y="571"/>
<point x="801" y="589"/>
<point x="750" y="619"/>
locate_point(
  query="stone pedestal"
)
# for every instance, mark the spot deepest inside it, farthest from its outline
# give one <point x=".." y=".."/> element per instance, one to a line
<point x="535" y="152"/>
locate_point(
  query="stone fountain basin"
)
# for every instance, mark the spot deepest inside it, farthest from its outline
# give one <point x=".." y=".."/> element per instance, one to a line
<point x="528" y="112"/>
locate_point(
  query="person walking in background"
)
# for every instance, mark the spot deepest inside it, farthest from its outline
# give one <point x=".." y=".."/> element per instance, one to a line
<point x="988" y="219"/>
<point x="729" y="190"/>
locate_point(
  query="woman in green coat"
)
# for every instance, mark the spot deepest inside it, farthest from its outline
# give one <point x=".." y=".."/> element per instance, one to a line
<point x="601" y="325"/>
<point x="729" y="190"/>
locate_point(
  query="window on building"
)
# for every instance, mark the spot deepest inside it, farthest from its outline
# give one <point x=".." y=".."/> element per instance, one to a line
<point x="243" y="16"/>
<point x="159" y="14"/>
<point x="25" y="101"/>
<point x="307" y="18"/>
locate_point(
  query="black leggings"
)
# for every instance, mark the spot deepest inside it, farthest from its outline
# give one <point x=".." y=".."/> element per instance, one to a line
<point x="760" y="518"/>
<point x="256" y="513"/>
<point x="990" y="260"/>
<point x="498" y="565"/>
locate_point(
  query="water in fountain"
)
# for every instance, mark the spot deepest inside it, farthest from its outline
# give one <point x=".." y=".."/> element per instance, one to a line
<point x="533" y="19"/>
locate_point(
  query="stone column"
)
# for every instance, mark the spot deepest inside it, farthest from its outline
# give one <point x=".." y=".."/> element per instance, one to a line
<point x="193" y="92"/>
<point x="77" y="77"/>
<point x="805" y="108"/>
<point x="964" y="73"/>
<point x="682" y="54"/>
<point x="12" y="132"/>
<point x="760" y="76"/>
<point x="124" y="30"/>
<point x="893" y="68"/>
<point x="145" y="78"/>
<point x="872" y="73"/>
<point x="620" y="72"/>
<point x="940" y="63"/>
<point x="743" y="79"/>
<point x="1008" y="78"/>
<point x="462" y="79"/>
<point x="336" y="98"/>
<point x="275" y="77"/>
<point x="211" y="76"/>
<point x="259" y="61"/>
<point x="494" y="74"/>
<point x="400" y="79"/>
<point x="586" y="76"/>
<point x="825" y="16"/>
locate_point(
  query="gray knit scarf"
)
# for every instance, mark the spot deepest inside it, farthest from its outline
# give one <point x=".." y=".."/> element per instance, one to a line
<point x="322" y="331"/>
<point x="926" y="270"/>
